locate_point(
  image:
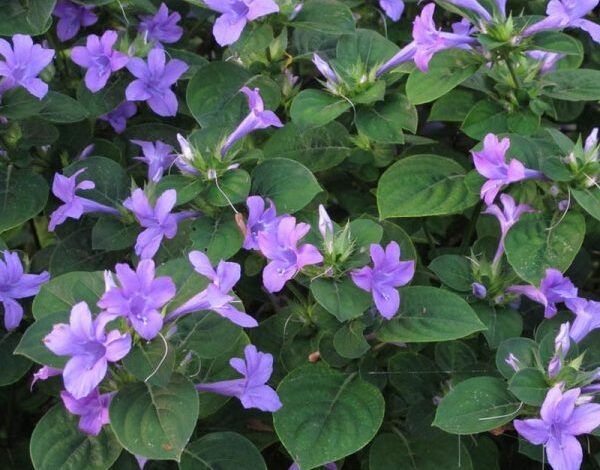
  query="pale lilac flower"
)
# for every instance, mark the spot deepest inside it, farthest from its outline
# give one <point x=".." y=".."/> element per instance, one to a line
<point x="567" y="14"/>
<point x="382" y="280"/>
<point x="560" y="422"/>
<point x="162" y="27"/>
<point x="117" y="118"/>
<point x="547" y="60"/>
<point x="591" y="142"/>
<point x="44" y="373"/>
<point x="513" y="362"/>
<point x="90" y="348"/>
<point x="216" y="296"/>
<point x="72" y="17"/>
<point x="158" y="221"/>
<point x="562" y="344"/>
<point x="501" y="4"/>
<point x="587" y="317"/>
<point x="185" y="159"/>
<point x="554" y="288"/>
<point x="22" y="63"/>
<point x="479" y="290"/>
<point x="286" y="258"/>
<point x="99" y="58"/>
<point x="490" y="162"/>
<point x="325" y="69"/>
<point x="260" y="220"/>
<point x="508" y="216"/>
<point x="139" y="298"/>
<point x="392" y="8"/>
<point x="474" y="6"/>
<point x="74" y="206"/>
<point x="235" y="14"/>
<point x="158" y="156"/>
<point x="92" y="409"/>
<point x="326" y="228"/>
<point x="154" y="80"/>
<point x="15" y="284"/>
<point x="252" y="390"/>
<point x="257" y="119"/>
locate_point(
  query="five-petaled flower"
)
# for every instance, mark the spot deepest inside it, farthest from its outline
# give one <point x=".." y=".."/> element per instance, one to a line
<point x="71" y="18"/>
<point x="252" y="390"/>
<point x="161" y="27"/>
<point x="158" y="156"/>
<point x="382" y="280"/>
<point x="117" y="118"/>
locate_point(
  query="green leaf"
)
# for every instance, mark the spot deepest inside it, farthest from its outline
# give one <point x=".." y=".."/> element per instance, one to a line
<point x="325" y="16"/>
<point x="151" y="362"/>
<point x="62" y="109"/>
<point x="384" y="122"/>
<point x="13" y="367"/>
<point x="223" y="451"/>
<point x="18" y="103"/>
<point x="218" y="238"/>
<point x="57" y="443"/>
<point x="341" y="298"/>
<point x="32" y="345"/>
<point x="23" y="194"/>
<point x="530" y="386"/>
<point x="501" y="323"/>
<point x="453" y="270"/>
<point x="423" y="185"/>
<point x="429" y="314"/>
<point x="589" y="199"/>
<point x="447" y="70"/>
<point x="476" y="405"/>
<point x="318" y="149"/>
<point x="365" y="47"/>
<point x="62" y="292"/>
<point x="326" y="415"/>
<point x="235" y="184"/>
<point x="554" y="41"/>
<point x="315" y="108"/>
<point x="393" y="232"/>
<point x="524" y="350"/>
<point x="573" y="85"/>
<point x="349" y="341"/>
<point x="110" y="234"/>
<point x="155" y="422"/>
<point x="111" y="180"/>
<point x="187" y="188"/>
<point x="288" y="183"/>
<point x="453" y="106"/>
<point x="414" y="376"/>
<point x="32" y="18"/>
<point x="103" y="101"/>
<point x="537" y="243"/>
<point x="523" y="122"/>
<point x="485" y="117"/>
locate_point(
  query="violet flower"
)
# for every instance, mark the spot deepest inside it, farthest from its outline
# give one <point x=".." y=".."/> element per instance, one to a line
<point x="64" y="188"/>
<point x="567" y="14"/>
<point x="392" y="8"/>
<point x="259" y="220"/>
<point x="490" y="162"/>
<point x="22" y="63"/>
<point x="44" y="373"/>
<point x="158" y="156"/>
<point x="92" y="409"/>
<point x="554" y="288"/>
<point x="508" y="216"/>
<point x="158" y="221"/>
<point x="235" y="14"/>
<point x="286" y="258"/>
<point x="252" y="391"/>
<point x="161" y="27"/>
<point x="139" y="298"/>
<point x="474" y="6"/>
<point x="587" y="317"/>
<point x="99" y="58"/>
<point x="117" y="118"/>
<point x="154" y="80"/>
<point x="382" y="280"/>
<point x="560" y="422"/>
<point x="72" y="17"/>
<point x="216" y="296"/>
<point x="90" y="349"/>
<point x="15" y="284"/>
<point x="257" y="119"/>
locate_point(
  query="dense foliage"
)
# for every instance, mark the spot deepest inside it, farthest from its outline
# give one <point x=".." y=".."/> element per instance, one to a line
<point x="250" y="234"/>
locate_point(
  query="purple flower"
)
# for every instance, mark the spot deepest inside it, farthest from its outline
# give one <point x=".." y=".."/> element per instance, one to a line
<point x="117" y="118"/>
<point x="158" y="156"/>
<point x="22" y="63"/>
<point x="553" y="289"/>
<point x="216" y="296"/>
<point x="185" y="160"/>
<point x="90" y="348"/>
<point x="140" y="297"/>
<point x="44" y="373"/>
<point x="72" y="18"/>
<point x="392" y="8"/>
<point x="257" y="119"/>
<point x="547" y="60"/>
<point x="567" y="14"/>
<point x="158" y="220"/>
<point x="387" y="273"/>
<point x="560" y="422"/>
<point x="259" y="220"/>
<point x="406" y="54"/>
<point x="322" y="66"/>
<point x="64" y="188"/>
<point x="490" y="162"/>
<point x="92" y="409"/>
<point x="472" y="5"/>
<point x="235" y="14"/>
<point x="508" y="216"/>
<point x="99" y="58"/>
<point x="154" y="81"/>
<point x="479" y="290"/>
<point x="286" y="259"/>
<point x="252" y="390"/>
<point x="15" y="284"/>
<point x="162" y="27"/>
<point x="587" y="317"/>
